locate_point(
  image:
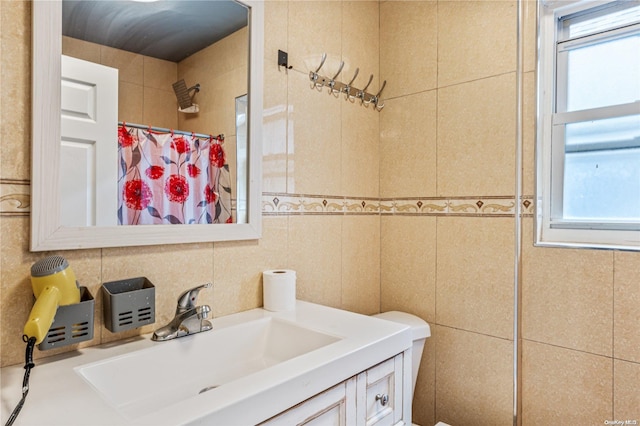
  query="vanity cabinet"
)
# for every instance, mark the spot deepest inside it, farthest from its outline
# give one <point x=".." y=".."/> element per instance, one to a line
<point x="371" y="398"/>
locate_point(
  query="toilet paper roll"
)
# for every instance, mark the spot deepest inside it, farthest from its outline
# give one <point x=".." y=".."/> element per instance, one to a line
<point x="279" y="290"/>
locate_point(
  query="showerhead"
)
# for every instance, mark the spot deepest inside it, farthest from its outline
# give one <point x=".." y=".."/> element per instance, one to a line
<point x="185" y="99"/>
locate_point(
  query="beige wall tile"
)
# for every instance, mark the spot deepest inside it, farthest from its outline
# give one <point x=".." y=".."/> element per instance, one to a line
<point x="81" y="49"/>
<point x="361" y="43"/>
<point x="360" y="124"/>
<point x="217" y="102"/>
<point x="476" y="131"/>
<point x="476" y="39"/>
<point x="408" y="265"/>
<point x="408" y="146"/>
<point x="626" y="314"/>
<point x="130" y="102"/>
<point x="274" y="149"/>
<point x="530" y="13"/>
<point x="474" y="378"/>
<point x="529" y="135"/>
<point x="314" y="28"/>
<point x="424" y="398"/>
<point x="315" y="144"/>
<point x="315" y="254"/>
<point x="171" y="268"/>
<point x="274" y="123"/>
<point x="626" y="391"/>
<point x="222" y="56"/>
<point x="474" y="290"/>
<point x="238" y="266"/>
<point x="15" y="81"/>
<point x="17" y="296"/>
<point x="130" y="65"/>
<point x="361" y="264"/>
<point x="159" y="109"/>
<point x="562" y="386"/>
<point x="567" y="296"/>
<point x="276" y="25"/>
<point x="360" y="157"/>
<point x="408" y="47"/>
<point x="221" y="71"/>
<point x="237" y="45"/>
<point x="160" y="74"/>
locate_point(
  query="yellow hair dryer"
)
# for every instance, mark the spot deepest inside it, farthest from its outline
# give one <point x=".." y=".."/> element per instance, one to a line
<point x="54" y="284"/>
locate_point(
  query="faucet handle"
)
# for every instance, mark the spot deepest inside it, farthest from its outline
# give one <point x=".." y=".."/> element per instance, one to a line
<point x="203" y="312"/>
<point x="187" y="300"/>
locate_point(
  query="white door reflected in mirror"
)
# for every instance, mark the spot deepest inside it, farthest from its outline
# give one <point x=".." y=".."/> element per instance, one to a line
<point x="88" y="162"/>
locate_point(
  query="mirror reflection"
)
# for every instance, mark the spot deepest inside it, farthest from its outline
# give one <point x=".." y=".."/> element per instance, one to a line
<point x="153" y="112"/>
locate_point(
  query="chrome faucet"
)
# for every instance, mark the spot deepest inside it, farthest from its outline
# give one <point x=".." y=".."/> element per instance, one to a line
<point x="189" y="318"/>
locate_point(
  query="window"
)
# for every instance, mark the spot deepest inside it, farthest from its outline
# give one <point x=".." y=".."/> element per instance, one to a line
<point x="588" y="153"/>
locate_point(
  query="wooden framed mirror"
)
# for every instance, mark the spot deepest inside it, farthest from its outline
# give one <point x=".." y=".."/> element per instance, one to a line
<point x="48" y="229"/>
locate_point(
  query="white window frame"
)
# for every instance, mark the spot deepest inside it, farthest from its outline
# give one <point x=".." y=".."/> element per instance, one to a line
<point x="551" y="229"/>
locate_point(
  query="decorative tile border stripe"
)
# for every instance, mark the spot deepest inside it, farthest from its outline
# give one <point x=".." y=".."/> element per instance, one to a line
<point x="15" y="201"/>
<point x="458" y="206"/>
<point x="274" y="204"/>
<point x="15" y="197"/>
<point x="528" y="207"/>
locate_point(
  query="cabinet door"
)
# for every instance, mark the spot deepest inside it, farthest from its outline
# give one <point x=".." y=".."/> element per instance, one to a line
<point x="382" y="387"/>
<point x="333" y="407"/>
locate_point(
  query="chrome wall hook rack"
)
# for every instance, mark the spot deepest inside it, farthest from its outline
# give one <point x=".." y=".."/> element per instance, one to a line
<point x="351" y="93"/>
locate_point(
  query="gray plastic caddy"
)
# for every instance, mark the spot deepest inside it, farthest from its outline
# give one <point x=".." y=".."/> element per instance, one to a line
<point x="128" y="304"/>
<point x="71" y="324"/>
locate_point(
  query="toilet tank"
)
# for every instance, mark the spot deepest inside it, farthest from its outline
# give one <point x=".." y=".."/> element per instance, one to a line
<point x="420" y="330"/>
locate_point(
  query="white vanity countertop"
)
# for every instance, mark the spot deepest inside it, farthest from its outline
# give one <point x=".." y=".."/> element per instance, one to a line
<point x="59" y="395"/>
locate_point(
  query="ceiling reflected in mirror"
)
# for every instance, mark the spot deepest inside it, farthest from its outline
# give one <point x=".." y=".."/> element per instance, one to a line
<point x="169" y="30"/>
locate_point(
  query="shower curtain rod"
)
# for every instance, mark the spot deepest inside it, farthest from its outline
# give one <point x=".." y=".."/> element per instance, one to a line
<point x="163" y="130"/>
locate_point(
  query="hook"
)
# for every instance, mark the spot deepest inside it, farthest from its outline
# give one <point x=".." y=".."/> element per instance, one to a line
<point x="283" y="60"/>
<point x="384" y="83"/>
<point x="361" y="93"/>
<point x="347" y="88"/>
<point x="332" y="83"/>
<point x="324" y="58"/>
<point x="313" y="75"/>
<point x="376" y="98"/>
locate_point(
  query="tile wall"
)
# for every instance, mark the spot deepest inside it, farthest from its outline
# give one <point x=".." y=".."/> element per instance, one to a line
<point x="447" y="134"/>
<point x="409" y="209"/>
<point x="221" y="81"/>
<point x="447" y="139"/>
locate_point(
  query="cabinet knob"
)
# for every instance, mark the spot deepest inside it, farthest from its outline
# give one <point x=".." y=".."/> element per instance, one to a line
<point x="383" y="398"/>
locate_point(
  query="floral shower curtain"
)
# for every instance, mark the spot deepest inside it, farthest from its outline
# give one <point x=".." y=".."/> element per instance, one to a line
<point x="167" y="178"/>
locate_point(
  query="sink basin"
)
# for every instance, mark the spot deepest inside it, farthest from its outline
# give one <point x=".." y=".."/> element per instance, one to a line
<point x="147" y="380"/>
<point x="252" y="366"/>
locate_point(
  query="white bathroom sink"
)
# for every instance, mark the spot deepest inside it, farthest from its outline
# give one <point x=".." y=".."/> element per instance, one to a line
<point x="262" y="363"/>
<point x="145" y="381"/>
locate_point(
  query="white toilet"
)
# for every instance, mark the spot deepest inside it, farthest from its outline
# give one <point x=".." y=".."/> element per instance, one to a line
<point x="420" y="330"/>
